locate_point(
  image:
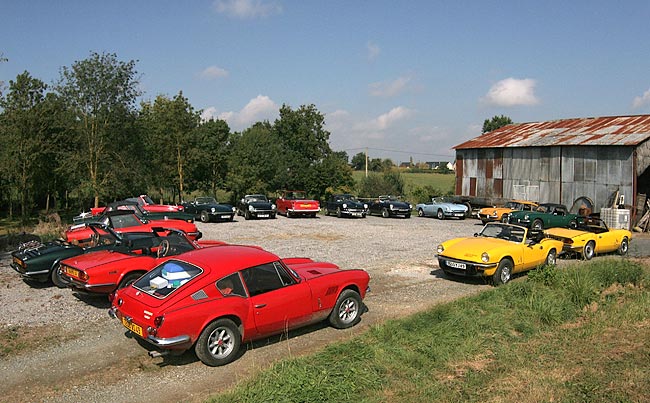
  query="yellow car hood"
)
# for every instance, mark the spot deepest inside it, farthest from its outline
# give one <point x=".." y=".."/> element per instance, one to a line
<point x="472" y="248"/>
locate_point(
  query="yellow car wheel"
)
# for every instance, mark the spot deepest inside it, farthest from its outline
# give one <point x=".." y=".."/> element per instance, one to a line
<point x="623" y="247"/>
<point x="503" y="273"/>
<point x="589" y="250"/>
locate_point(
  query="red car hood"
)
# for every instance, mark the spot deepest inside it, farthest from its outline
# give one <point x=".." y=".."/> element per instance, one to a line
<point x="88" y="260"/>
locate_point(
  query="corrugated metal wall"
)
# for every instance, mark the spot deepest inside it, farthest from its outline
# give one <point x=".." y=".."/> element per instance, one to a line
<point x="548" y="174"/>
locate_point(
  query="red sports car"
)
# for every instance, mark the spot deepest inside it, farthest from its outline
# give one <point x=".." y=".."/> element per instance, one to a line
<point x="293" y="203"/>
<point x="127" y="221"/>
<point x="103" y="272"/>
<point x="149" y="205"/>
<point x="215" y="299"/>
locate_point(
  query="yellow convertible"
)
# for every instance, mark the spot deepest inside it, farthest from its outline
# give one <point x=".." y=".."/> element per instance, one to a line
<point x="592" y="236"/>
<point x="488" y="214"/>
<point x="497" y="252"/>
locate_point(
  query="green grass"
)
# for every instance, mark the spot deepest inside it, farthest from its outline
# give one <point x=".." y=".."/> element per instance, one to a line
<point x="570" y="335"/>
<point x="443" y="182"/>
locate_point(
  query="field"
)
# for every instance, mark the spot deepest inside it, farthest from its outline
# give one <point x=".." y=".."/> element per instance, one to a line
<point x="442" y="182"/>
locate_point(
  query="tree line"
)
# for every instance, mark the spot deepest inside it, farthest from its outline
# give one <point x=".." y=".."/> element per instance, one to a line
<point x="85" y="140"/>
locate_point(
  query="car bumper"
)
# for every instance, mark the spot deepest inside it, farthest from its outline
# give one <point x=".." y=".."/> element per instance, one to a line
<point x="222" y="215"/>
<point x="41" y="275"/>
<point x="263" y="213"/>
<point x="182" y="341"/>
<point x="465" y="268"/>
<point x="303" y="211"/>
<point x="89" y="289"/>
<point x="454" y="213"/>
<point x="399" y="212"/>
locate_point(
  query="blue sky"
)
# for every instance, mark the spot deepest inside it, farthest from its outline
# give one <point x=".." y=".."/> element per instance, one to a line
<point x="412" y="77"/>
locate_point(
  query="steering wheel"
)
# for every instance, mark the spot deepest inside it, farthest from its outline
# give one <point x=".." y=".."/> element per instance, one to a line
<point x="163" y="248"/>
<point x="94" y="239"/>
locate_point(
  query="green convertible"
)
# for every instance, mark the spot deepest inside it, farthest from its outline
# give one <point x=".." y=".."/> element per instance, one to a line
<point x="546" y="215"/>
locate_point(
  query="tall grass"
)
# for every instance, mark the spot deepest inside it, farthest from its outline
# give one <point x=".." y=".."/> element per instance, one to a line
<point x="459" y="350"/>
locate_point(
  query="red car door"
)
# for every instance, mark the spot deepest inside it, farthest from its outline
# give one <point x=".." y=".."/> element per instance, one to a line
<point x="279" y="301"/>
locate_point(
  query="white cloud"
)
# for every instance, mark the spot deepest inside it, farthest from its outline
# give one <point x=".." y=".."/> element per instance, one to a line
<point x="257" y="109"/>
<point x="512" y="92"/>
<point x="373" y="51"/>
<point x="213" y="72"/>
<point x="384" y="121"/>
<point x="209" y="113"/>
<point x="247" y="8"/>
<point x="641" y="101"/>
<point x="389" y="89"/>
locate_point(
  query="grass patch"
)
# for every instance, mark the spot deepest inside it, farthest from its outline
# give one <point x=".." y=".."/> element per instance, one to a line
<point x="572" y="335"/>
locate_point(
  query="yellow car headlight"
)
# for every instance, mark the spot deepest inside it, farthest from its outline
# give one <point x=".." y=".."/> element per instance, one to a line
<point x="485" y="257"/>
<point x="441" y="248"/>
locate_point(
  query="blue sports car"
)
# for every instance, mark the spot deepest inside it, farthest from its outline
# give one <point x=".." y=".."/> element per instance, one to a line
<point x="441" y="208"/>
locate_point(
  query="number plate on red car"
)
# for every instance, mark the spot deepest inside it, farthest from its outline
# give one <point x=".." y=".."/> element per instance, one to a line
<point x="132" y="327"/>
<point x="70" y="271"/>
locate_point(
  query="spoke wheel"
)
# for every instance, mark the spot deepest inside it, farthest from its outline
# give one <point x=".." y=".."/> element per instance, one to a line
<point x="623" y="247"/>
<point x="538" y="224"/>
<point x="551" y="258"/>
<point x="589" y="250"/>
<point x="347" y="311"/>
<point x="56" y="277"/>
<point x="420" y="213"/>
<point x="503" y="273"/>
<point x="440" y="214"/>
<point x="205" y="217"/>
<point x="218" y="343"/>
<point x="384" y="213"/>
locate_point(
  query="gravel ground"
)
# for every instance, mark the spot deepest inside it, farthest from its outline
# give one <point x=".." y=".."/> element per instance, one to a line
<point x="92" y="360"/>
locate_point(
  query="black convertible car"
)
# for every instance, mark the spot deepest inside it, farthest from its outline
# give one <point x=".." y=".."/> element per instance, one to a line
<point x="209" y="209"/>
<point x="390" y="206"/>
<point x="256" y="206"/>
<point x="345" y="205"/>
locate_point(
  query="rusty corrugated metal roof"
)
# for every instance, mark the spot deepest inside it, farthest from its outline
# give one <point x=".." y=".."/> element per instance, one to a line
<point x="606" y="131"/>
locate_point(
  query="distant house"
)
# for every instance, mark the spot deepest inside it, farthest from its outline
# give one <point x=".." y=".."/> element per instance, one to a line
<point x="405" y="165"/>
<point x="437" y="164"/>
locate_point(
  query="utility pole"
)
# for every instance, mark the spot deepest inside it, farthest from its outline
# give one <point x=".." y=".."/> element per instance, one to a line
<point x="366" y="162"/>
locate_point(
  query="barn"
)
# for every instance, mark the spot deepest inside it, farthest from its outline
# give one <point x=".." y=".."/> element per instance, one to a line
<point x="560" y="161"/>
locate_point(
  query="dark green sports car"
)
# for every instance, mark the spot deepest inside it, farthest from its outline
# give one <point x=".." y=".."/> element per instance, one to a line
<point x="546" y="215"/>
<point x="39" y="262"/>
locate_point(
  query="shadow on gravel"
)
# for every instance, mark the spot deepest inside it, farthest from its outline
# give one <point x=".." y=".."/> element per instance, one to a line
<point x="97" y="301"/>
<point x="439" y="273"/>
<point x="189" y="357"/>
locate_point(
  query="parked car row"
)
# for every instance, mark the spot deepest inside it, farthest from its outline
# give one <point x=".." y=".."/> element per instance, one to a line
<point x="177" y="291"/>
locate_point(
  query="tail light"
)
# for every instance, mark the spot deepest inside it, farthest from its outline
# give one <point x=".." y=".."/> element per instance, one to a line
<point x="83" y="276"/>
<point x="158" y="321"/>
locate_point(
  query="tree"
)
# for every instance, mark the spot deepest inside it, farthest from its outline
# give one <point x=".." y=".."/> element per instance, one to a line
<point x="304" y="142"/>
<point x="387" y="183"/>
<point x="495" y="123"/>
<point x="210" y="157"/>
<point x="23" y="138"/>
<point x="101" y="92"/>
<point x="359" y="162"/>
<point x="171" y="139"/>
<point x="255" y="161"/>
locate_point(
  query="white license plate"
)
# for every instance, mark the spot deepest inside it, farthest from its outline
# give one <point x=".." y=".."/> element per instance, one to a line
<point x="357" y="214"/>
<point x="262" y="215"/>
<point x="459" y="214"/>
<point x="457" y="265"/>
